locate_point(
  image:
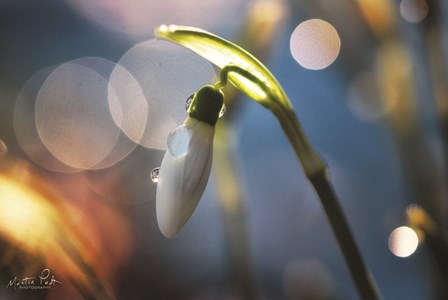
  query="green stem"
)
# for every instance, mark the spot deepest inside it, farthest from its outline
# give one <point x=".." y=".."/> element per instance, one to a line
<point x="317" y="173"/>
<point x="358" y="269"/>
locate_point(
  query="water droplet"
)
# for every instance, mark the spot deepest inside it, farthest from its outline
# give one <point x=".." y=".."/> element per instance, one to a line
<point x="223" y="111"/>
<point x="178" y="141"/>
<point x="188" y="102"/>
<point x="154" y="175"/>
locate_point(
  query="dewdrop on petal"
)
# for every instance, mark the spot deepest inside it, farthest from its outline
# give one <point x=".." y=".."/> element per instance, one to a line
<point x="186" y="165"/>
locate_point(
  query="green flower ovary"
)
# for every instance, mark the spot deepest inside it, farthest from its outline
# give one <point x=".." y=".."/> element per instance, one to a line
<point x="206" y="105"/>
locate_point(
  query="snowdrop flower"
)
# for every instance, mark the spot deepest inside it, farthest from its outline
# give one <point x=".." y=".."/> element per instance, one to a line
<point x="187" y="162"/>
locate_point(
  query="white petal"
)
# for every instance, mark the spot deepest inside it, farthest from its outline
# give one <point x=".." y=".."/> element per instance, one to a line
<point x="183" y="174"/>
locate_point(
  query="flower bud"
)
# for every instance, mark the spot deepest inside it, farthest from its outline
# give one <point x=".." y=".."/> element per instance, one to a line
<point x="187" y="162"/>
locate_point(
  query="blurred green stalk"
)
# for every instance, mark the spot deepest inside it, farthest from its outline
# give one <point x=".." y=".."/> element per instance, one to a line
<point x="263" y="22"/>
<point x="234" y="217"/>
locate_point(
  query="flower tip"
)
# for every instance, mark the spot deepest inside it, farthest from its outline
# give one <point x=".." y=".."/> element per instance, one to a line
<point x="169" y="233"/>
<point x="160" y="30"/>
<point x="167" y="222"/>
<point x="164" y="30"/>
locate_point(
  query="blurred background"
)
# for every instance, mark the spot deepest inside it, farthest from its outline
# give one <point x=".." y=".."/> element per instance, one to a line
<point x="88" y="97"/>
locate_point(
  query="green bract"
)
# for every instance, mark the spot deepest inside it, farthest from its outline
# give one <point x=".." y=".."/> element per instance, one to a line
<point x="263" y="87"/>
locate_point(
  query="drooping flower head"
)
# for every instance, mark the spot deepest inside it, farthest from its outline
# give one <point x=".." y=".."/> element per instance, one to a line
<point x="187" y="162"/>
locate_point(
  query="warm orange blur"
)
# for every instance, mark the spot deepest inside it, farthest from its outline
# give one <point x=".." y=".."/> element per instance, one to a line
<point x="83" y="242"/>
<point x="378" y="15"/>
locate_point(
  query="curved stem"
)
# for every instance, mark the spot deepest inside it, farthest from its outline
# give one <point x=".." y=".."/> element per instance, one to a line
<point x="261" y="87"/>
<point x="317" y="173"/>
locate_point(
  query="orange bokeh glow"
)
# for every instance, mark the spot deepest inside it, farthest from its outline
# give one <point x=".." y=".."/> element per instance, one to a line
<point x="82" y="242"/>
